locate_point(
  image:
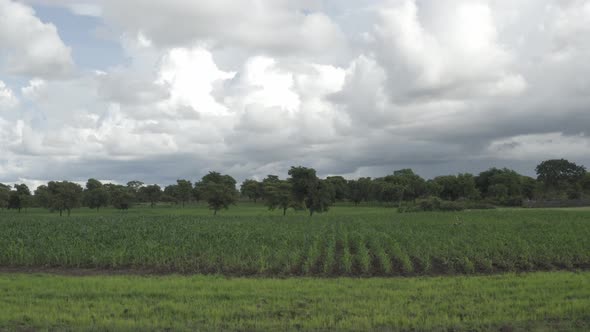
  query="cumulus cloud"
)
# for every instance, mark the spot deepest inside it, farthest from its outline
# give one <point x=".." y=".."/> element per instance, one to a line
<point x="443" y="50"/>
<point x="30" y="47"/>
<point x="8" y="100"/>
<point x="254" y="87"/>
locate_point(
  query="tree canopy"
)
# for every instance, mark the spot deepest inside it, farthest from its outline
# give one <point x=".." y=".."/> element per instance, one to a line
<point x="218" y="190"/>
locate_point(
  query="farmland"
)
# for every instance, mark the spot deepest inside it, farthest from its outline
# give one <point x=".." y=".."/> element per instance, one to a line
<point x="539" y="301"/>
<point x="250" y="241"/>
<point x="354" y="268"/>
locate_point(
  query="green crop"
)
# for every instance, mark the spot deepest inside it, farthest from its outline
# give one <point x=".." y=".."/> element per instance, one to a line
<point x="345" y="242"/>
<point x="543" y="301"/>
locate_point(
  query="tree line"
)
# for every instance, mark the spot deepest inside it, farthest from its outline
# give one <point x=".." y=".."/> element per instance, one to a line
<point x="557" y="179"/>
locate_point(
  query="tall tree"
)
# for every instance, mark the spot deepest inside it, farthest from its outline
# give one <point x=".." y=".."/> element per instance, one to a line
<point x="151" y="193"/>
<point x="4" y="195"/>
<point x="558" y="173"/>
<point x="252" y="189"/>
<point x="133" y="188"/>
<point x="95" y="195"/>
<point x="457" y="187"/>
<point x="122" y="197"/>
<point x="64" y="196"/>
<point x="392" y="192"/>
<point x="197" y="192"/>
<point x="278" y="194"/>
<point x="529" y="185"/>
<point x="184" y="191"/>
<point x="586" y="183"/>
<point x="14" y="202"/>
<point x="509" y="179"/>
<point x="340" y="186"/>
<point x="320" y="197"/>
<point x="309" y="190"/>
<point x="219" y="191"/>
<point x="42" y="196"/>
<point x="410" y="185"/>
<point x="20" y="198"/>
<point x="360" y="190"/>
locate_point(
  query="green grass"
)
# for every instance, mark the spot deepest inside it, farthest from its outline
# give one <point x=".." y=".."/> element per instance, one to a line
<point x="545" y="301"/>
<point x="251" y="241"/>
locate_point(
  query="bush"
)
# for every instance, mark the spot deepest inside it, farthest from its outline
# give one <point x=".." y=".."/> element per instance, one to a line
<point x="436" y="204"/>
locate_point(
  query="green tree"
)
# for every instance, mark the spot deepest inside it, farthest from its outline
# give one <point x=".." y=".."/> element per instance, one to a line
<point x="412" y="186"/>
<point x="197" y="192"/>
<point x="278" y="194"/>
<point x="122" y="197"/>
<point x="320" y="197"/>
<point x="171" y="194"/>
<point x="528" y="185"/>
<point x="510" y="179"/>
<point x="252" y="189"/>
<point x="219" y="191"/>
<point x="498" y="192"/>
<point x="184" y="191"/>
<point x="360" y="190"/>
<point x="42" y="196"/>
<point x="391" y="192"/>
<point x="585" y="183"/>
<point x="151" y="193"/>
<point x="20" y="198"/>
<point x="457" y="187"/>
<point x="270" y="179"/>
<point x="433" y="188"/>
<point x="95" y="195"/>
<point x="559" y="173"/>
<point x="4" y="195"/>
<point x="309" y="190"/>
<point x="133" y="188"/>
<point x="14" y="202"/>
<point x="64" y="196"/>
<point x="340" y="186"/>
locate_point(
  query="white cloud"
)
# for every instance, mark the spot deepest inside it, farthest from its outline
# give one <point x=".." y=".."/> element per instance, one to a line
<point x="8" y="100"/>
<point x="279" y="27"/>
<point x="253" y="87"/>
<point x="443" y="50"/>
<point x="30" y="47"/>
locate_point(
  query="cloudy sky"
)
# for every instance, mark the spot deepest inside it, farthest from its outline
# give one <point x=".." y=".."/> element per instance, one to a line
<point x="160" y="90"/>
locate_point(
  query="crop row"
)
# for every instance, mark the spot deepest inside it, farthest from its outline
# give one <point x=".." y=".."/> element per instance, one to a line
<point x="421" y="244"/>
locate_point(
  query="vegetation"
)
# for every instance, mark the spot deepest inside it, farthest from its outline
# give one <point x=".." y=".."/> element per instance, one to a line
<point x="557" y="181"/>
<point x="460" y="231"/>
<point x="355" y="241"/>
<point x="540" y="301"/>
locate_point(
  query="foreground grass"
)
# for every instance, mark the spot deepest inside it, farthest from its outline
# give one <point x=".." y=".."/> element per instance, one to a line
<point x="347" y="241"/>
<point x="538" y="301"/>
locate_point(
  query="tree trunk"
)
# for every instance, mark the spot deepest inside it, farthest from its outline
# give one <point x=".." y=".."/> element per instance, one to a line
<point x="69" y="212"/>
<point x="60" y="212"/>
<point x="284" y="212"/>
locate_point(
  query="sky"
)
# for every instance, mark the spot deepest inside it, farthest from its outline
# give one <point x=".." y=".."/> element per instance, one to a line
<point x="162" y="90"/>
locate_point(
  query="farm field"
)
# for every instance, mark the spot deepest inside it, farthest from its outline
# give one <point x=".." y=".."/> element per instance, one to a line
<point x="251" y="241"/>
<point x="542" y="301"/>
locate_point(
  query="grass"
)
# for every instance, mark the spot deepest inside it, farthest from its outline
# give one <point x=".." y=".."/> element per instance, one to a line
<point x="538" y="301"/>
<point x="251" y="241"/>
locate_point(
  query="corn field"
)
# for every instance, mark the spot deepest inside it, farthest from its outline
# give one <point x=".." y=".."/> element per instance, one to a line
<point x="330" y="245"/>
